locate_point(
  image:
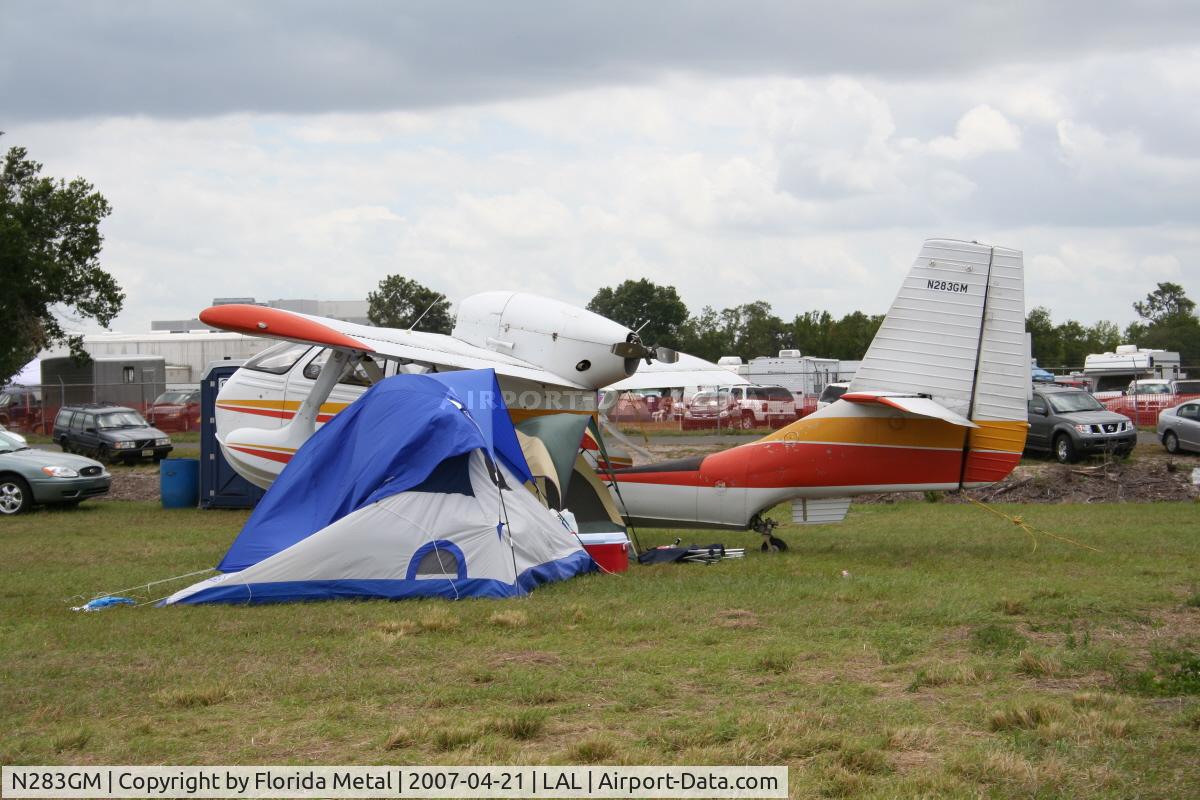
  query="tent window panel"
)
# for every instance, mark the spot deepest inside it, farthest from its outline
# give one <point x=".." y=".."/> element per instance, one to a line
<point x="438" y="563"/>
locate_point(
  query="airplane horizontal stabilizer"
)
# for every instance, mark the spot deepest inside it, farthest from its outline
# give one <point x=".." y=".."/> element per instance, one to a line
<point x="913" y="404"/>
<point x="806" y="511"/>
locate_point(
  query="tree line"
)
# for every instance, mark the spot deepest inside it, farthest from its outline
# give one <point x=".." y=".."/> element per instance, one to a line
<point x="1167" y="322"/>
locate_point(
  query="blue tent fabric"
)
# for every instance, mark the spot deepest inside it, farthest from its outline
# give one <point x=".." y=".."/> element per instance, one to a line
<point x="359" y="589"/>
<point x="391" y="440"/>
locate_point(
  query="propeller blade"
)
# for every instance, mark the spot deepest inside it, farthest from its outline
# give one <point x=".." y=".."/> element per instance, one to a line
<point x="630" y="350"/>
<point x="665" y="355"/>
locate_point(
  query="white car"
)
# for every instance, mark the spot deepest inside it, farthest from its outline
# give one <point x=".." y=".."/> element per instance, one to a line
<point x="14" y="435"/>
<point x="1179" y="427"/>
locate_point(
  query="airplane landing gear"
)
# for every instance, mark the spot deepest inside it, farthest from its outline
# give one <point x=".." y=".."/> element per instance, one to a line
<point x="766" y="527"/>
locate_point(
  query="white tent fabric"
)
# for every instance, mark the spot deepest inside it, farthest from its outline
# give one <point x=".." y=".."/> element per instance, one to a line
<point x="416" y="543"/>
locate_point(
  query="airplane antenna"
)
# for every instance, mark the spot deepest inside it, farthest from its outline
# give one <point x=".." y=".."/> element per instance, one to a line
<point x="423" y="313"/>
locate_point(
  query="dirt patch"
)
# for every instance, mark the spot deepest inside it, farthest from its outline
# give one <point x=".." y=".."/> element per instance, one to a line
<point x="736" y="618"/>
<point x="133" y="483"/>
<point x="527" y="657"/>
<point x="1136" y="481"/>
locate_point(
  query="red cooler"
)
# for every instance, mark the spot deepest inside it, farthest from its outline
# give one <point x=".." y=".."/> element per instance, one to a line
<point x="609" y="550"/>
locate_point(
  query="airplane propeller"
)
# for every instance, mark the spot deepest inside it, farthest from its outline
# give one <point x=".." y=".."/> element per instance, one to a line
<point x="635" y="349"/>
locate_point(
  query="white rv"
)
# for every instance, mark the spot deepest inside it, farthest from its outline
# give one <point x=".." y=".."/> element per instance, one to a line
<point x="1112" y="372"/>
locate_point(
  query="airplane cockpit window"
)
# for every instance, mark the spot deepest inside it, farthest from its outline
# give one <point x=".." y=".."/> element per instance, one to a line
<point x="277" y="359"/>
<point x="366" y="372"/>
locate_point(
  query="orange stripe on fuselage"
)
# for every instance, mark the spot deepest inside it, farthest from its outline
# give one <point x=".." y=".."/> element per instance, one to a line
<point x="859" y="451"/>
<point x="282" y="456"/>
<point x="894" y="431"/>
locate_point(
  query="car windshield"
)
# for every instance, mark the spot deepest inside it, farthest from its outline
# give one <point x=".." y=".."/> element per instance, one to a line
<point x="8" y="442"/>
<point x="704" y="397"/>
<point x="171" y="398"/>
<point x="1152" y="388"/>
<point x="120" y="419"/>
<point x="1067" y="402"/>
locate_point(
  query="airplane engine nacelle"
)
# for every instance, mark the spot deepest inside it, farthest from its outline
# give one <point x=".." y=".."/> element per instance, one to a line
<point x="561" y="338"/>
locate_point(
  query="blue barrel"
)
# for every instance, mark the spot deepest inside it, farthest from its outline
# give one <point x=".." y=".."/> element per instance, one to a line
<point x="179" y="482"/>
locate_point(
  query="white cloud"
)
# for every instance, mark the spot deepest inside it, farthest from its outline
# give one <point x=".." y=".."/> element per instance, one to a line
<point x="981" y="130"/>
<point x="810" y="193"/>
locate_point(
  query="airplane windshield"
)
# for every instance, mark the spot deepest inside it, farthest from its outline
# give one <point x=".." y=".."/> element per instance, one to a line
<point x="278" y="359"/>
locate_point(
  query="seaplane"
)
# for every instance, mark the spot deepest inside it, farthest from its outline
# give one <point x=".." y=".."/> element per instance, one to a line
<point x="938" y="403"/>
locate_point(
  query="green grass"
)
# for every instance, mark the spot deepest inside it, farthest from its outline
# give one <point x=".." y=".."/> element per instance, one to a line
<point x="953" y="661"/>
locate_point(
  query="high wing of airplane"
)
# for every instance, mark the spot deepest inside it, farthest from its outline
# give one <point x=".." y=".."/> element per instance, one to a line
<point x="938" y="403"/>
<point x="549" y="357"/>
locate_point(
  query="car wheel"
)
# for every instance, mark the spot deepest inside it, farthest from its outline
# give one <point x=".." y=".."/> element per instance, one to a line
<point x="1064" y="449"/>
<point x="104" y="455"/>
<point x="747" y="422"/>
<point x="1171" y="442"/>
<point x="15" y="496"/>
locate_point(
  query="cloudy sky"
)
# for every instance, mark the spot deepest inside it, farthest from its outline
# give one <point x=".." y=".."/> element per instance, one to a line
<point x="738" y="151"/>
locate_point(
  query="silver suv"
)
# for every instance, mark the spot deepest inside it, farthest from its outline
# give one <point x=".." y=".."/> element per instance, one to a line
<point x="1069" y="423"/>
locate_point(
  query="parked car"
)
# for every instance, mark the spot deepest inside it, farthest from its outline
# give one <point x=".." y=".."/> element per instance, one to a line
<point x="176" y="410"/>
<point x="1146" y="398"/>
<point x="30" y="477"/>
<point x="14" y="435"/>
<point x="741" y="406"/>
<point x="1069" y="423"/>
<point x="1179" y="427"/>
<point x="109" y="433"/>
<point x="832" y="393"/>
<point x="21" y="408"/>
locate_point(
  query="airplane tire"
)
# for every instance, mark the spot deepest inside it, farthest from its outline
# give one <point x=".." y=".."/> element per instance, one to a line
<point x="776" y="545"/>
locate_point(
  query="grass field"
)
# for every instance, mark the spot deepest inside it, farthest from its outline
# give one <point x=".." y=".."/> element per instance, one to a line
<point x="953" y="660"/>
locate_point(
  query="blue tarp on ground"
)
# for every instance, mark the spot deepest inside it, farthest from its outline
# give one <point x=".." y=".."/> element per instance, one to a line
<point x="388" y="441"/>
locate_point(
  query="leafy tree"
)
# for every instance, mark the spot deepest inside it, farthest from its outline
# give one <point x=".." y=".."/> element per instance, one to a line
<point x="754" y="330"/>
<point x="704" y="335"/>
<point x="656" y="310"/>
<point x="1047" y="346"/>
<point x="852" y="335"/>
<point x="401" y="301"/>
<point x="1165" y="303"/>
<point x="49" y="260"/>
<point x="1170" y="324"/>
<point x="812" y="333"/>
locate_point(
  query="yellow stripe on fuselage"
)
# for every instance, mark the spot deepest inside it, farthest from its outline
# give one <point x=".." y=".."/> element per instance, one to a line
<point x="1004" y="436"/>
<point x="278" y="405"/>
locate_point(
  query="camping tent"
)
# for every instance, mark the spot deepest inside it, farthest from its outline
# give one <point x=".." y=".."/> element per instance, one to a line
<point x="415" y="490"/>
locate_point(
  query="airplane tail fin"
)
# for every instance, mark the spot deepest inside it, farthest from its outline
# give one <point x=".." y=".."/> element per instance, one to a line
<point x="956" y="334"/>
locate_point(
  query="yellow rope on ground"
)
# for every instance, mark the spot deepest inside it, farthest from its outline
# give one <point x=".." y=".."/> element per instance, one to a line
<point x="1029" y="529"/>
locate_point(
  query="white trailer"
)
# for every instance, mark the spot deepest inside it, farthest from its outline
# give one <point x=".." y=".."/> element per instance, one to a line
<point x="1112" y="372"/>
<point x="804" y="376"/>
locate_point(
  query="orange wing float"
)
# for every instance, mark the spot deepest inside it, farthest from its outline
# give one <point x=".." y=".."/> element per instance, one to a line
<point x="278" y="324"/>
